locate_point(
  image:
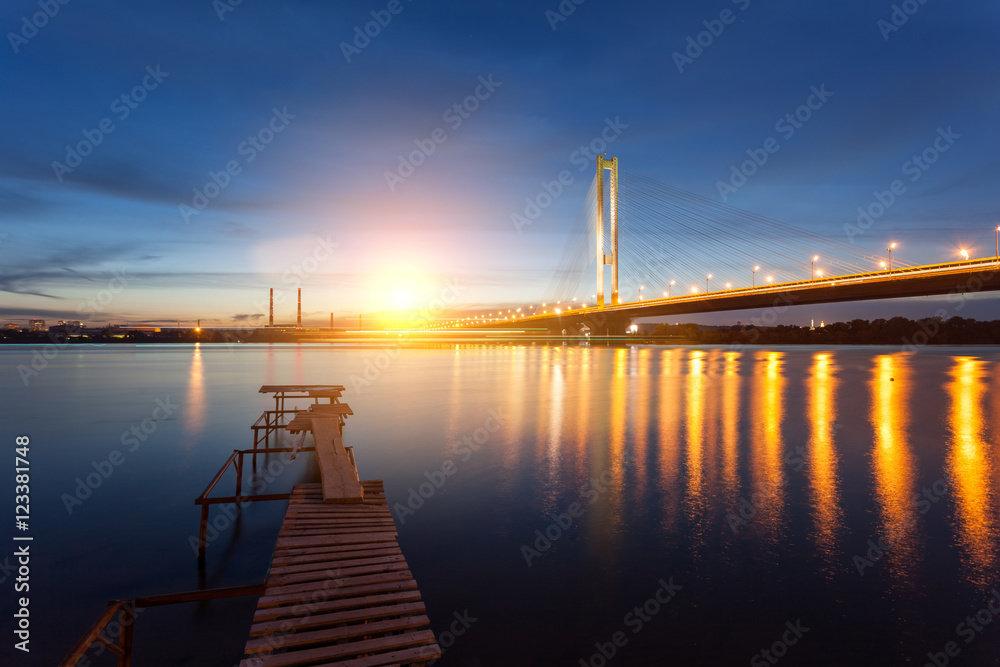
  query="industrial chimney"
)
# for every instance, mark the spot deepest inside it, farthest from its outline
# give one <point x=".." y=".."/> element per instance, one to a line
<point x="270" y="321"/>
<point x="298" y="323"/>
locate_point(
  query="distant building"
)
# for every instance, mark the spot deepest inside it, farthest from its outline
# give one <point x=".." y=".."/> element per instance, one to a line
<point x="36" y="325"/>
<point x="15" y="327"/>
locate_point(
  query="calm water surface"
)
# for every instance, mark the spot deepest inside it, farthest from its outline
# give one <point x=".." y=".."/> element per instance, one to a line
<point x="851" y="493"/>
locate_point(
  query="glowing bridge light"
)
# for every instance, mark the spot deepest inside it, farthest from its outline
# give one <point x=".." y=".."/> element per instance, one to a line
<point x="964" y="253"/>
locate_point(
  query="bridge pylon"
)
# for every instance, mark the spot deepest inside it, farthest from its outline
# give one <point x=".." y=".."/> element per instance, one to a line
<point x="611" y="164"/>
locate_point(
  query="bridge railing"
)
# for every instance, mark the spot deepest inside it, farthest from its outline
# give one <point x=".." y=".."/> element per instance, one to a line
<point x="798" y="284"/>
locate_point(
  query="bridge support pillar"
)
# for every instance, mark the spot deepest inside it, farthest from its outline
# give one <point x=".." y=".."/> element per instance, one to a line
<point x="612" y="258"/>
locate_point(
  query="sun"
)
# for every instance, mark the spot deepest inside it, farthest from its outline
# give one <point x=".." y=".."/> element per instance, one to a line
<point x="404" y="299"/>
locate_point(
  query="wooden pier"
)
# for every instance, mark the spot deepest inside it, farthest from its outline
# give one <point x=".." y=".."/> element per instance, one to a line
<point x="339" y="591"/>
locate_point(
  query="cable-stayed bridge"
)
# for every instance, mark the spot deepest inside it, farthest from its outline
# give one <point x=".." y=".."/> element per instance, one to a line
<point x="671" y="252"/>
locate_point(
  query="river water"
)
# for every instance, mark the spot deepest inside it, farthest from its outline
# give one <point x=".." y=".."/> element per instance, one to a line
<point x="604" y="505"/>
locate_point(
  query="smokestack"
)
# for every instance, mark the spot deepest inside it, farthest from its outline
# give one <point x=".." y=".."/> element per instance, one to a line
<point x="331" y="320"/>
<point x="299" y="321"/>
<point x="270" y="321"/>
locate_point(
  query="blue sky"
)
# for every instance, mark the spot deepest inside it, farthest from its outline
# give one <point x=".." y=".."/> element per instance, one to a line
<point x="313" y="207"/>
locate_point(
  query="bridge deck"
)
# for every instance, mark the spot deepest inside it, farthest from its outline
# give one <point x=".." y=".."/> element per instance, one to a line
<point x="339" y="590"/>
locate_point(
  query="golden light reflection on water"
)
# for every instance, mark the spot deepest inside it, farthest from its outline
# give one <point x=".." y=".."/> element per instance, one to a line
<point x="618" y="416"/>
<point x="637" y="459"/>
<point x="730" y="416"/>
<point x="557" y="394"/>
<point x="194" y="415"/>
<point x="711" y="452"/>
<point x="766" y="452"/>
<point x="969" y="465"/>
<point x="672" y="424"/>
<point x="669" y="417"/>
<point x="510" y="437"/>
<point x="694" y="424"/>
<point x="582" y="417"/>
<point x="822" y="457"/>
<point x="893" y="465"/>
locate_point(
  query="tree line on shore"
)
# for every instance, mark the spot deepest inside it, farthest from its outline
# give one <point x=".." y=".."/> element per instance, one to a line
<point x="894" y="331"/>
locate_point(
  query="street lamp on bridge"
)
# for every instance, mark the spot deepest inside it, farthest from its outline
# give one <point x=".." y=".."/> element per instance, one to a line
<point x="891" y="246"/>
<point x="706" y="282"/>
<point x="753" y="276"/>
<point x="813" y="265"/>
<point x="998" y="244"/>
<point x="964" y="253"/>
<point x="641" y="287"/>
<point x="672" y="283"/>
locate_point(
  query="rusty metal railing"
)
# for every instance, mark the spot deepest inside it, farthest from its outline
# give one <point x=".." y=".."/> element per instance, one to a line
<point x="126" y="611"/>
<point x="235" y="459"/>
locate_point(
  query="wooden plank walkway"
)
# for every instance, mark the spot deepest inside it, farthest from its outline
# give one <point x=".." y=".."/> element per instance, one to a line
<point x="340" y="483"/>
<point x="339" y="591"/>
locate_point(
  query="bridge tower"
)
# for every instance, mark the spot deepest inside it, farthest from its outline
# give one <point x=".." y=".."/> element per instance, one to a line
<point x="611" y="164"/>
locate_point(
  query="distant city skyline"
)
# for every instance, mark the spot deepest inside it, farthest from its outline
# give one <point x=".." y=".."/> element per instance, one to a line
<point x="174" y="161"/>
